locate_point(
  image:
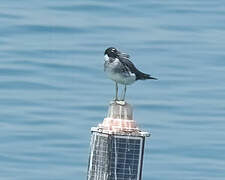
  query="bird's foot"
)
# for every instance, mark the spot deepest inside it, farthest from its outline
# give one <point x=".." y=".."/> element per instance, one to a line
<point x="116" y="99"/>
<point x="122" y="103"/>
<point x="119" y="102"/>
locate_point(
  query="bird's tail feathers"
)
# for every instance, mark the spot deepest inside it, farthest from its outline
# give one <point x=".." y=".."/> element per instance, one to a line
<point x="150" y="77"/>
<point x="143" y="76"/>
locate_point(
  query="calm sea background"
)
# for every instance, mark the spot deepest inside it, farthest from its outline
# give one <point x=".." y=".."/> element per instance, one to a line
<point x="53" y="88"/>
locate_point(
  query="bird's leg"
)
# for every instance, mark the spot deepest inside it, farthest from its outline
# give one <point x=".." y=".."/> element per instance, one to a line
<point x="124" y="92"/>
<point x="116" y="98"/>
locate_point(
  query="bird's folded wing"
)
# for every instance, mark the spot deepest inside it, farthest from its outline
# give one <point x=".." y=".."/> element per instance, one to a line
<point x="129" y="65"/>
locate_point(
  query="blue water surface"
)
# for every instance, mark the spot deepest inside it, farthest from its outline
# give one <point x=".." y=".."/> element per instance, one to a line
<point x="53" y="88"/>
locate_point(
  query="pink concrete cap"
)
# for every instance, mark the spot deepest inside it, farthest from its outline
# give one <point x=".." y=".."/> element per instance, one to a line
<point x="118" y="125"/>
<point x="119" y="118"/>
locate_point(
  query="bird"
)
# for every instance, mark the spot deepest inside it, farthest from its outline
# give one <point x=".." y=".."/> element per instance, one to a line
<point x="119" y="68"/>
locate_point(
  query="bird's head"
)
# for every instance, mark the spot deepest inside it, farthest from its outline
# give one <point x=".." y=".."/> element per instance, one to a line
<point x="112" y="52"/>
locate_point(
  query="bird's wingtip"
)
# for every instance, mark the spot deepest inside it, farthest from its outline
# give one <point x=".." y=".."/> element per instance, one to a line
<point x="150" y="77"/>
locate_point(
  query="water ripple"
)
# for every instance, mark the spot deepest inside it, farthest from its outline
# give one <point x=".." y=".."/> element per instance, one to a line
<point x="91" y="8"/>
<point x="24" y="85"/>
<point x="40" y="29"/>
<point x="9" y="16"/>
<point x="15" y="72"/>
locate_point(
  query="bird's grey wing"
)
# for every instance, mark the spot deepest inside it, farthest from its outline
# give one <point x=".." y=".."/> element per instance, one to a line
<point x="128" y="64"/>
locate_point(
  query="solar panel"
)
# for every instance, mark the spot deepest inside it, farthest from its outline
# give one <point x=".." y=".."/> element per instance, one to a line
<point x="98" y="163"/>
<point x="115" y="157"/>
<point x="125" y="157"/>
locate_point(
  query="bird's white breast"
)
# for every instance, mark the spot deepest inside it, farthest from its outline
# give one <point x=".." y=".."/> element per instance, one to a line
<point x="122" y="77"/>
<point x="106" y="57"/>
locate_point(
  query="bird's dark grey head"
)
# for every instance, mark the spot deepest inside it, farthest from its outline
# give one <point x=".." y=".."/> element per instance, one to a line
<point x="112" y="52"/>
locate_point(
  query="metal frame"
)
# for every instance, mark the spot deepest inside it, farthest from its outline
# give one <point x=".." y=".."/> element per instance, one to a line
<point x="141" y="150"/>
